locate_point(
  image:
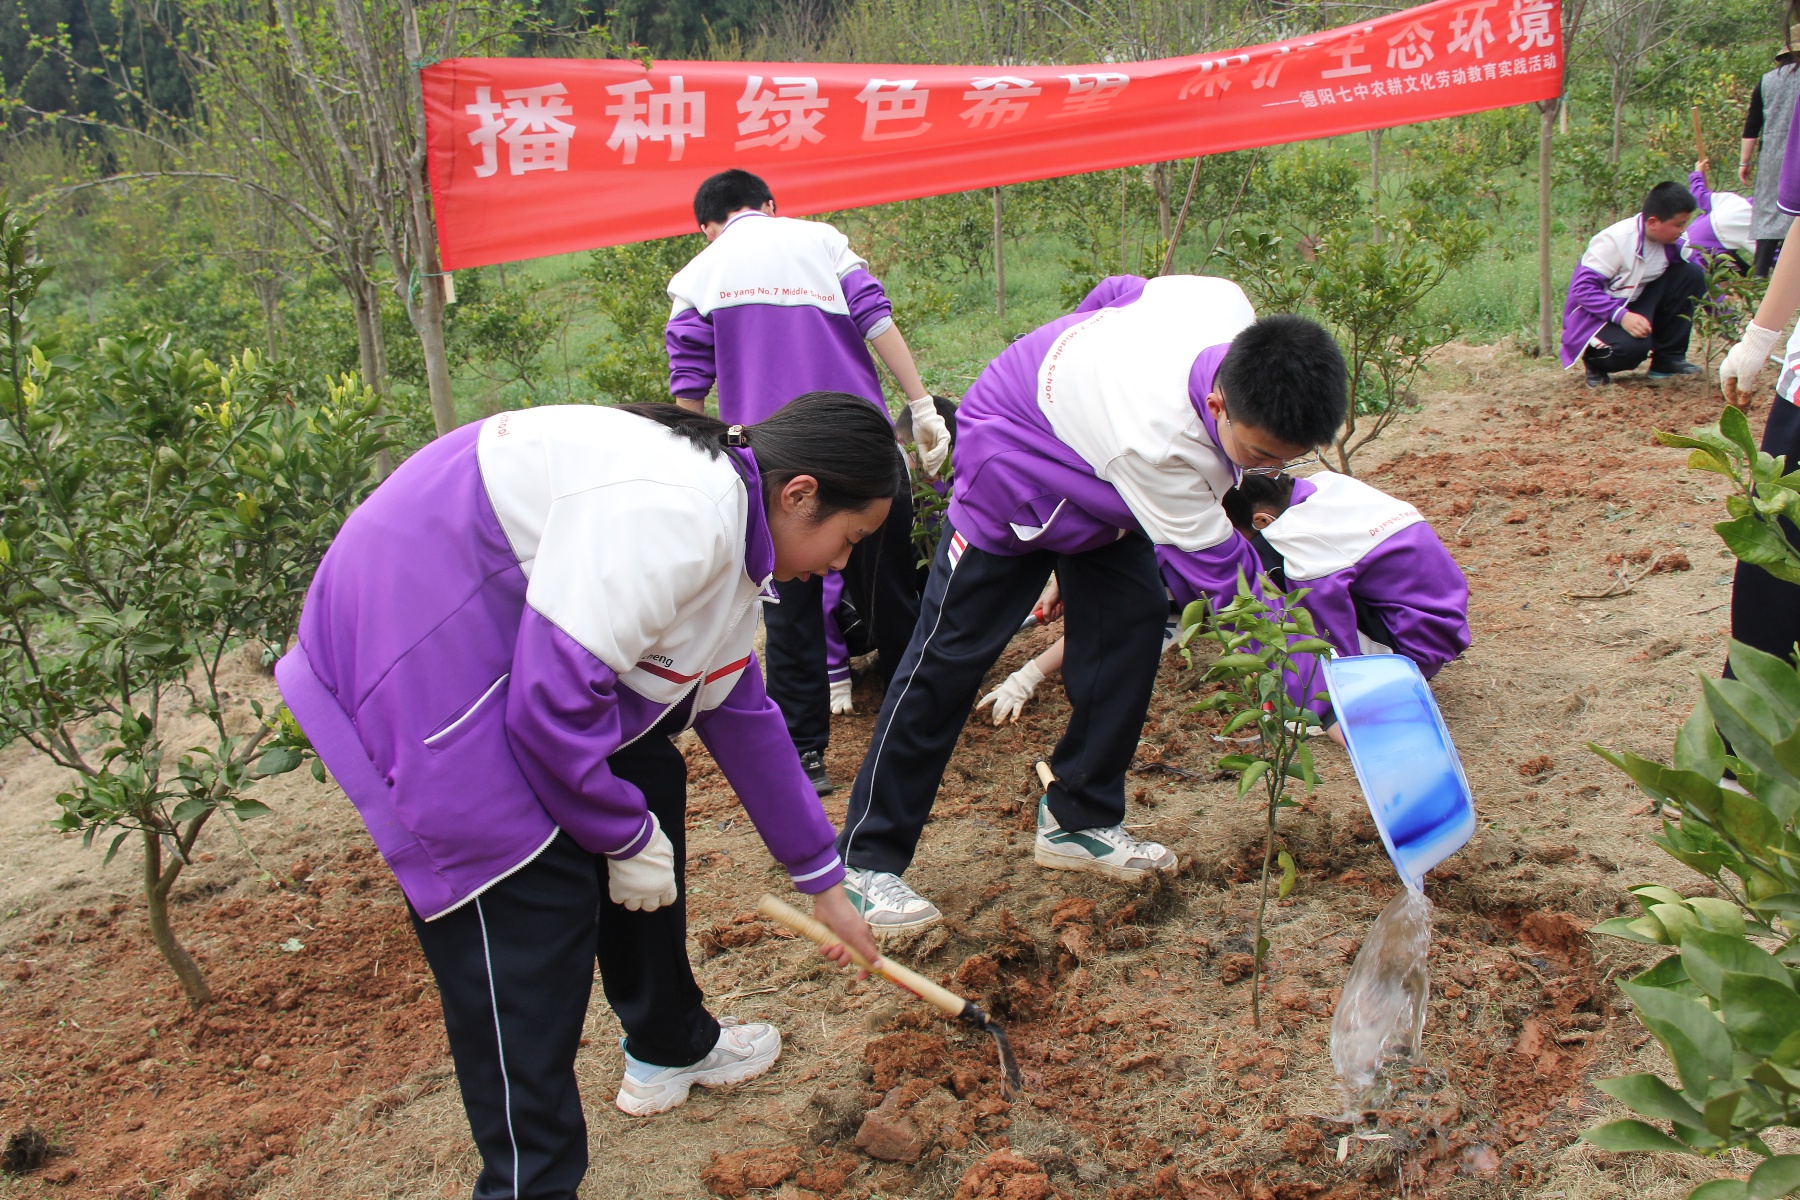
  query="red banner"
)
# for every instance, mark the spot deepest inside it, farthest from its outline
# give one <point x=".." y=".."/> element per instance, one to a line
<point x="536" y="156"/>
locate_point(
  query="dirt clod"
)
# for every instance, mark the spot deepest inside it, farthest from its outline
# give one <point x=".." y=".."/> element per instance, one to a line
<point x="737" y="1174"/>
<point x="1003" y="1175"/>
<point x="26" y="1149"/>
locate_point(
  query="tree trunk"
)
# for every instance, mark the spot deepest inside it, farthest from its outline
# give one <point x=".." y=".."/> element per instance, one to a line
<point x="1163" y="215"/>
<point x="999" y="255"/>
<point x="1546" y="300"/>
<point x="1375" y="169"/>
<point x="367" y="336"/>
<point x="1124" y="248"/>
<point x="156" y="898"/>
<point x="1618" y="117"/>
<point x="428" y="320"/>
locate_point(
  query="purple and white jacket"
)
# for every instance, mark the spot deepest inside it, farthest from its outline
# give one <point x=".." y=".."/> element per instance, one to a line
<point x="1096" y="424"/>
<point x="1723" y="223"/>
<point x="521" y="599"/>
<point x="1619" y="261"/>
<point x="1345" y="541"/>
<point x="772" y="309"/>
<point x="1788" y="199"/>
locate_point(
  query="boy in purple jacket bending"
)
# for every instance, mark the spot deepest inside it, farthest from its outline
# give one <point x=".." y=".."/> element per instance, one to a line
<point x="1081" y="448"/>
<point x="1632" y="297"/>
<point x="1378" y="580"/>
<point x="771" y="309"/>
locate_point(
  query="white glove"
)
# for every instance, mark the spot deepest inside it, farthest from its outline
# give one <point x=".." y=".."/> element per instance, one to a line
<point x="644" y="882"/>
<point x="930" y="434"/>
<point x="1744" y="361"/>
<point x="840" y="698"/>
<point x="1009" y="698"/>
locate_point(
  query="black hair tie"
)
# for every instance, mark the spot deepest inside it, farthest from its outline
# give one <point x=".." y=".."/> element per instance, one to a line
<point x="737" y="436"/>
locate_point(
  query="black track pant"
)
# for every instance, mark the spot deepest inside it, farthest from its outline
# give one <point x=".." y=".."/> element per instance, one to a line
<point x="1668" y="303"/>
<point x="880" y="582"/>
<point x="1114" y="605"/>
<point x="515" y="967"/>
<point x="1765" y="611"/>
<point x="1767" y="251"/>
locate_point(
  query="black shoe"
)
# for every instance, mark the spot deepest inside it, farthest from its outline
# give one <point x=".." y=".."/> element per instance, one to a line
<point x="813" y="763"/>
<point x="1670" y="370"/>
<point x="1596" y="378"/>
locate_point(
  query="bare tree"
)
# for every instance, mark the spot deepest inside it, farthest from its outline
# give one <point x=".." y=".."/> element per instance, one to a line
<point x="1626" y="34"/>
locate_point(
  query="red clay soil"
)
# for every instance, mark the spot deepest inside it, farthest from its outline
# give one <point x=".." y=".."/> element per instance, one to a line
<point x="141" y="1096"/>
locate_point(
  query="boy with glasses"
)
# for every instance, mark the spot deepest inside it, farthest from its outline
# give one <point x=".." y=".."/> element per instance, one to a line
<point x="1081" y="448"/>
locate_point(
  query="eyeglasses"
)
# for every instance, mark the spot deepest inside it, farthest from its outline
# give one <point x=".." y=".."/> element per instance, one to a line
<point x="1311" y="460"/>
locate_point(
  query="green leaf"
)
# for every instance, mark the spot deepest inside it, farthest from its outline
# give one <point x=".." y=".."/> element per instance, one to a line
<point x="1677" y="919"/>
<point x="114" y="848"/>
<point x="1720" y="916"/>
<point x="1698" y="747"/>
<point x="1248" y="717"/>
<point x="1719" y="1189"/>
<point x="1625" y="1137"/>
<point x="1773" y="678"/>
<point x="1631" y="929"/>
<point x="1288" y="875"/>
<point x="1776" y="1177"/>
<point x="1670" y="972"/>
<point x="1720" y="1110"/>
<point x="248" y="809"/>
<point x="1696" y="1042"/>
<point x="1653" y="1098"/>
<point x="1759" y="1012"/>
<point x="278" y="760"/>
<point x="318" y="769"/>
<point x="1733" y="425"/>
<point x="1252" y="773"/>
<point x="1193" y="614"/>
<point x="190" y="808"/>
<point x="1311" y="645"/>
<point x="1228" y="663"/>
<point x="1707" y="956"/>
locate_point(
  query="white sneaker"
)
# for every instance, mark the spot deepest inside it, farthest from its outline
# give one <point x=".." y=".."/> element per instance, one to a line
<point x="1110" y="851"/>
<point x="886" y="903"/>
<point x="743" y="1051"/>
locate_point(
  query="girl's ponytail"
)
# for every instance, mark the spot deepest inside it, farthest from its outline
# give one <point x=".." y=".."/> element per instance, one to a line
<point x="841" y="440"/>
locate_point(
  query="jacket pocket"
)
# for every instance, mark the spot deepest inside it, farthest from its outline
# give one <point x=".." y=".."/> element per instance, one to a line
<point x="471" y="718"/>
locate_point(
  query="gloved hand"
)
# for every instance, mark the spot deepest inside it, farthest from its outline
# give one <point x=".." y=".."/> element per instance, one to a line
<point x="1009" y="698"/>
<point x="644" y="882"/>
<point x="930" y="434"/>
<point x="840" y="698"/>
<point x="1744" y="361"/>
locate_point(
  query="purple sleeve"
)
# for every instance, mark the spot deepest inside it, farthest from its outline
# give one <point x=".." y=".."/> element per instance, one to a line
<point x="837" y="651"/>
<point x="868" y="301"/>
<point x="562" y="720"/>
<point x="748" y="739"/>
<point x="1702" y="194"/>
<point x="1210" y="574"/>
<point x="1113" y="290"/>
<point x="1333" y="612"/>
<point x="1587" y="291"/>
<point x="689" y="341"/>
<point x="1788" y="195"/>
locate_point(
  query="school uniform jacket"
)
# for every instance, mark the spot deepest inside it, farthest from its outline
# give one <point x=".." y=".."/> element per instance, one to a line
<point x="519" y="600"/>
<point x="1788" y="198"/>
<point x="1618" y="263"/>
<point x="1345" y="541"/>
<point x="1096" y="424"/>
<point x="1723" y="223"/>
<point x="772" y="309"/>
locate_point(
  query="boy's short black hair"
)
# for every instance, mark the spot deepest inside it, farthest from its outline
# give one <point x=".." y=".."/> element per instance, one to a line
<point x="1668" y="200"/>
<point x="1285" y="376"/>
<point x="728" y="192"/>
<point x="1271" y="493"/>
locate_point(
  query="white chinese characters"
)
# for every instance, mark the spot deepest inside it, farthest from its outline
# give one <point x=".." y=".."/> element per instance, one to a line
<point x="893" y="108"/>
<point x="530" y="123"/>
<point x="783" y="114"/>
<point x="998" y="101"/>
<point x="642" y="113"/>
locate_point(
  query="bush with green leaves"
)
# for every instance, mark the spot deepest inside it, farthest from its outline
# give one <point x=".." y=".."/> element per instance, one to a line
<point x="1261" y="644"/>
<point x="157" y="512"/>
<point x="1724" y="1005"/>
<point x="630" y="289"/>
<point x="1371" y="292"/>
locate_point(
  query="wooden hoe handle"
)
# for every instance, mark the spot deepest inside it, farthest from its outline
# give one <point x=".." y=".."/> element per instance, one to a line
<point x="1044" y="775"/>
<point x="942" y="999"/>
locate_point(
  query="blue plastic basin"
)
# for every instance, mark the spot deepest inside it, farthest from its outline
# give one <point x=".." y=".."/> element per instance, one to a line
<point x="1404" y="759"/>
